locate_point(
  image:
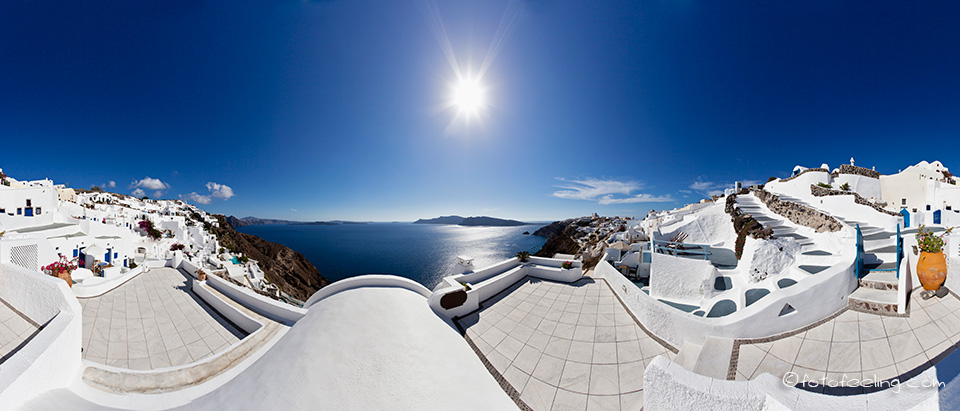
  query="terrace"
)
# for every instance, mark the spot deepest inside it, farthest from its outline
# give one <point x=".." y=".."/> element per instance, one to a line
<point x="153" y="321"/>
<point x="563" y="345"/>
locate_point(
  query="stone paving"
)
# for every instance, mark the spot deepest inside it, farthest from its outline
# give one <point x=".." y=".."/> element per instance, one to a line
<point x="861" y="345"/>
<point x="565" y="346"/>
<point x="153" y="321"/>
<point x="14" y="330"/>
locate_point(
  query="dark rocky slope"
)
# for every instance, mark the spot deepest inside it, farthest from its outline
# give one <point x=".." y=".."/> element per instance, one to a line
<point x="560" y="239"/>
<point x="282" y="266"/>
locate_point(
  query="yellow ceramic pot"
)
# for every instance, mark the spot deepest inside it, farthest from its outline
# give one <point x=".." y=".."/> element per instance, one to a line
<point x="932" y="270"/>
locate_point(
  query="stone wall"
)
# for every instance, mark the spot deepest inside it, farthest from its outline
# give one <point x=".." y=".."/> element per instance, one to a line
<point x="826" y="192"/>
<point x="741" y="220"/>
<point x="804" y="172"/>
<point x="860" y="171"/>
<point x="798" y="213"/>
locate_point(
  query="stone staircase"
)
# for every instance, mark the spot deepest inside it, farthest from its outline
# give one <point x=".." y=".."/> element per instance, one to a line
<point x="811" y="259"/>
<point x="878" y="289"/>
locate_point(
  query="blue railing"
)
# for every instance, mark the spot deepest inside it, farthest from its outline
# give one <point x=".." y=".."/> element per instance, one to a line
<point x="859" y="271"/>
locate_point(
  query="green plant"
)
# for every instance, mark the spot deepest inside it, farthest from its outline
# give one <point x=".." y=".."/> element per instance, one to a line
<point x="929" y="242"/>
<point x="845" y="187"/>
<point x="824" y="185"/>
<point x="524" y="256"/>
<point x="222" y="250"/>
<point x="567" y="265"/>
<point x="243" y="259"/>
<point x="466" y="287"/>
<point x="133" y="265"/>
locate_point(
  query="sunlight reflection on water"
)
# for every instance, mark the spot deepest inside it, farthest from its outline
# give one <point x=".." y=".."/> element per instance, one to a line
<point x="422" y="252"/>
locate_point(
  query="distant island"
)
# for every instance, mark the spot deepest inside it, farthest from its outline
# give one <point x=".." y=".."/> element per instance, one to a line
<point x="248" y="221"/>
<point x="471" y="221"/>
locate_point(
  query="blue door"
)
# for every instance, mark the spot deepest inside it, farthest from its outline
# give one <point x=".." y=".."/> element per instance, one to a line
<point x="28" y="212"/>
<point x="936" y="217"/>
<point x="107" y="256"/>
<point x="906" y="217"/>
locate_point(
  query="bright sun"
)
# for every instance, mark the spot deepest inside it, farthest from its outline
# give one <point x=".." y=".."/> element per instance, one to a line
<point x="468" y="96"/>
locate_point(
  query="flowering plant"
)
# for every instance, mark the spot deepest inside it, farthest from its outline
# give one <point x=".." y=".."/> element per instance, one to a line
<point x="177" y="247"/>
<point x="61" y="266"/>
<point x="152" y="232"/>
<point x="929" y="242"/>
<point x="567" y="264"/>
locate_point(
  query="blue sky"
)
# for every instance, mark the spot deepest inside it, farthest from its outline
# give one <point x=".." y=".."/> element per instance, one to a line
<point x="324" y="110"/>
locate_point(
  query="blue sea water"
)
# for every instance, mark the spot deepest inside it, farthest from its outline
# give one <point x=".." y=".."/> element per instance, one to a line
<point x="422" y="252"/>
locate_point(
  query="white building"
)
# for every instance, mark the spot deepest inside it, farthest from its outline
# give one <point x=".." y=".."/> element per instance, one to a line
<point x="921" y="187"/>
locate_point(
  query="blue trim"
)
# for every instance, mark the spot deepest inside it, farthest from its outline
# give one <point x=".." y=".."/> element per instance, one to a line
<point x="859" y="271"/>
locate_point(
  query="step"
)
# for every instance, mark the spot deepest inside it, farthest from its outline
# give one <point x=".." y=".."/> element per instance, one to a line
<point x="883" y="235"/>
<point x="888" y="249"/>
<point x="714" y="358"/>
<point x="880" y="280"/>
<point x="884" y="265"/>
<point x="871" y="300"/>
<point x="688" y="354"/>
<point x="817" y="253"/>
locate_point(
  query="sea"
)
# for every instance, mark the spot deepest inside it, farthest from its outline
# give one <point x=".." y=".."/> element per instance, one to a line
<point x="424" y="253"/>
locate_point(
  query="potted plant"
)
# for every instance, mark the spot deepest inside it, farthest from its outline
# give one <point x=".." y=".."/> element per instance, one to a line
<point x="567" y="265"/>
<point x="177" y="247"/>
<point x="524" y="256"/>
<point x="201" y="275"/>
<point x="932" y="266"/>
<point x="61" y="269"/>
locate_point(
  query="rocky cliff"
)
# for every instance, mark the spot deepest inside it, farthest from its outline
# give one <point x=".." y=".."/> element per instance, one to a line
<point x="560" y="238"/>
<point x="282" y="266"/>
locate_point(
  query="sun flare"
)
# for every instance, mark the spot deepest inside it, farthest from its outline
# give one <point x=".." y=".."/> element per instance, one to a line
<point x="469" y="97"/>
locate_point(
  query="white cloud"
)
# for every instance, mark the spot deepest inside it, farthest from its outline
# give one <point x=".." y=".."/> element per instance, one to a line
<point x="606" y="192"/>
<point x="639" y="198"/>
<point x="150" y="184"/>
<point x="220" y="191"/>
<point x="138" y="193"/>
<point x="109" y="184"/>
<point x="197" y="198"/>
<point x="293" y="209"/>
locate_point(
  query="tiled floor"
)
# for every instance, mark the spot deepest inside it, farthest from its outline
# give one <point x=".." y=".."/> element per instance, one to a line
<point x="14" y="330"/>
<point x="153" y="321"/>
<point x="565" y="347"/>
<point x="861" y="345"/>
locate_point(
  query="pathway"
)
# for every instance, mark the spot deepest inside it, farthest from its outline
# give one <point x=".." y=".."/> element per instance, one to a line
<point x="859" y="345"/>
<point x="564" y="346"/>
<point x="153" y="321"/>
<point x="14" y="330"/>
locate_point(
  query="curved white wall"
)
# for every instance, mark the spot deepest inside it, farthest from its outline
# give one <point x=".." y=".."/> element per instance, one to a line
<point x="369" y="280"/>
<point x="667" y="384"/>
<point x="52" y="358"/>
<point x="814" y="298"/>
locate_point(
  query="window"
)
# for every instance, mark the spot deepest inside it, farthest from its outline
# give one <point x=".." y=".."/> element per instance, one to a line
<point x="29" y="202"/>
<point x="903" y="202"/>
<point x="19" y="211"/>
<point x="2" y="211"/>
<point x="38" y="210"/>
